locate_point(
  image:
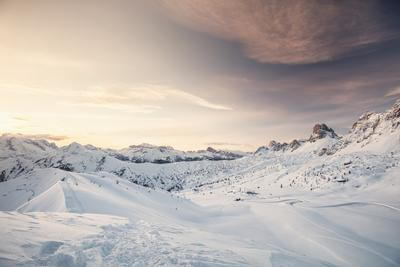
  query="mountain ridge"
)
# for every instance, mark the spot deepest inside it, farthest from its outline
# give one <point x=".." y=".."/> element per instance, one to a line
<point x="150" y="165"/>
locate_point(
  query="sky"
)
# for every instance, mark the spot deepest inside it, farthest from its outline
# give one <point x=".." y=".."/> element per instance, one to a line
<point x="194" y="73"/>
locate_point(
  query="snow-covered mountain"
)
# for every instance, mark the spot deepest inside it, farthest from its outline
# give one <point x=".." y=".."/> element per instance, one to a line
<point x="21" y="155"/>
<point x="376" y="131"/>
<point x="166" y="154"/>
<point x="325" y="200"/>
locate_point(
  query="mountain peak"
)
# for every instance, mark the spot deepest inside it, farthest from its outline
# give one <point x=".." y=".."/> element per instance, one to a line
<point x="394" y="111"/>
<point x="321" y="131"/>
<point x="277" y="146"/>
<point x="210" y="149"/>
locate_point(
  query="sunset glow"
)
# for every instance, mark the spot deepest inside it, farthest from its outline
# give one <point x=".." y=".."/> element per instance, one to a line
<point x="116" y="73"/>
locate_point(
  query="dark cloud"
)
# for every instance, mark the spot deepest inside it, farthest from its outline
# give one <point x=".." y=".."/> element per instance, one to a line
<point x="292" y="31"/>
<point x="335" y="92"/>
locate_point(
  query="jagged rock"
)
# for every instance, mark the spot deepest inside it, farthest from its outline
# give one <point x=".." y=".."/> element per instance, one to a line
<point x="321" y="131"/>
<point x="372" y="127"/>
<point x="261" y="149"/>
<point x="277" y="146"/>
<point x="3" y="176"/>
<point x="394" y="112"/>
<point x="210" y="149"/>
<point x="294" y="145"/>
<point x="323" y="151"/>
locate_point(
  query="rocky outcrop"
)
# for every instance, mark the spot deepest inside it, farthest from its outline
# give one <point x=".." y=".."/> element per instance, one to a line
<point x="321" y="131"/>
<point x="372" y="127"/>
<point x="276" y="146"/>
<point x="394" y="112"/>
<point x="294" y="145"/>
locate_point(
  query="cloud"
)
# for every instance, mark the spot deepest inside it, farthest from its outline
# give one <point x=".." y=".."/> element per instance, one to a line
<point x="145" y="98"/>
<point x="196" y="100"/>
<point x="19" y="118"/>
<point x="48" y="137"/>
<point x="144" y="109"/>
<point x="125" y="97"/>
<point x="394" y="92"/>
<point x="290" y="31"/>
<point x="225" y="144"/>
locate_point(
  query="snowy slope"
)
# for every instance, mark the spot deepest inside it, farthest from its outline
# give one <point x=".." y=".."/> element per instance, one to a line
<point x="376" y="132"/>
<point x="338" y="228"/>
<point x="20" y="155"/>
<point x="327" y="200"/>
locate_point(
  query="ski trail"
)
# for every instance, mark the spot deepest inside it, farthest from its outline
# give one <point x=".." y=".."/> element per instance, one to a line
<point x="359" y="203"/>
<point x="347" y="240"/>
<point x="71" y="200"/>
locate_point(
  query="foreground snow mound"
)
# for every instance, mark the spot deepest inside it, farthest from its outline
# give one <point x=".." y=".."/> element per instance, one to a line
<point x="64" y="239"/>
<point x="52" y="190"/>
<point x="144" y="227"/>
<point x="38" y="239"/>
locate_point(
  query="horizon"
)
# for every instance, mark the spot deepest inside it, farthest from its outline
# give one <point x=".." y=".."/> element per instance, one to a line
<point x="61" y="141"/>
<point x="113" y="74"/>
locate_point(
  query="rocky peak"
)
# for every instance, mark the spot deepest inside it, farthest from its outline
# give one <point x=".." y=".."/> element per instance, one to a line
<point x="372" y="127"/>
<point x="277" y="146"/>
<point x="294" y="145"/>
<point x="74" y="148"/>
<point x="212" y="150"/>
<point x="321" y="131"/>
<point x="394" y="112"/>
<point x="18" y="143"/>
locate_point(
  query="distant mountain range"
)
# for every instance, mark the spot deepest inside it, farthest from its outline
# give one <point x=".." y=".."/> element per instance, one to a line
<point x="143" y="164"/>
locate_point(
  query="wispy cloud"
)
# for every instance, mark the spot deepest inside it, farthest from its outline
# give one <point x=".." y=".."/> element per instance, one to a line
<point x="394" y="92"/>
<point x="232" y="146"/>
<point x="136" y="99"/>
<point x="225" y="144"/>
<point x="45" y="59"/>
<point x="195" y="100"/>
<point x="287" y="31"/>
<point x="19" y="118"/>
<point x="128" y="97"/>
<point x="48" y="137"/>
<point x="133" y="108"/>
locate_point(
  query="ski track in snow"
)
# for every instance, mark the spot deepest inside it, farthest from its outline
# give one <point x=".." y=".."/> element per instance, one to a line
<point x="359" y="203"/>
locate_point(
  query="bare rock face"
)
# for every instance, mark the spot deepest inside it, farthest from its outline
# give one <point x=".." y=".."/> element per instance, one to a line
<point x="261" y="149"/>
<point x="321" y="131"/>
<point x="394" y="112"/>
<point x="294" y="145"/>
<point x="212" y="150"/>
<point x="371" y="126"/>
<point x="277" y="146"/>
